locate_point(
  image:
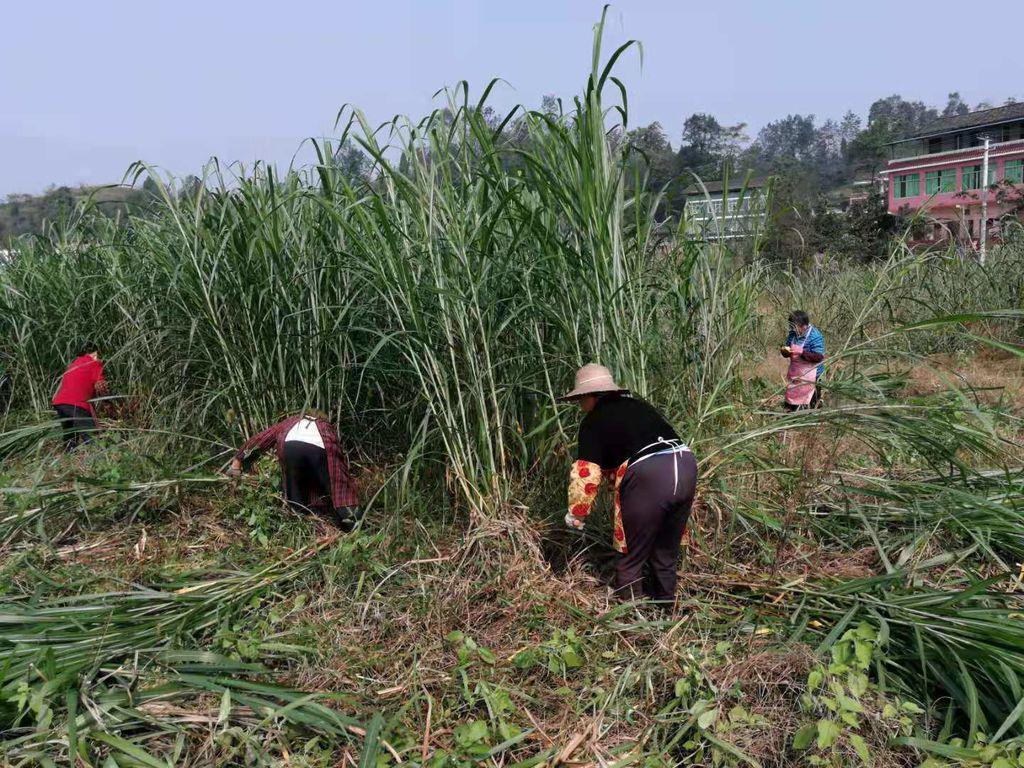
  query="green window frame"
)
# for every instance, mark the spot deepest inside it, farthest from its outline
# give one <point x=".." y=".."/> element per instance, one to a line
<point x="940" y="181"/>
<point x="907" y="185"/>
<point x="1014" y="171"/>
<point x="970" y="177"/>
<point x="993" y="173"/>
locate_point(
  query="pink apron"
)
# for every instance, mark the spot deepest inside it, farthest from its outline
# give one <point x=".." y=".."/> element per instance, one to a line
<point x="800" y="378"/>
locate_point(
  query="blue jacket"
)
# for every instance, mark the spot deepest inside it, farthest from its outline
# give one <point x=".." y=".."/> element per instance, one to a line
<point x="812" y="341"/>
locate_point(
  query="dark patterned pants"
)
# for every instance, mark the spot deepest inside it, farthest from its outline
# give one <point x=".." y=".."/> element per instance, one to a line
<point x="656" y="495"/>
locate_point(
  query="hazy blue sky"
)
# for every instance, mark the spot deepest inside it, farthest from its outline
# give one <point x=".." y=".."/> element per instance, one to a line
<point x="87" y="88"/>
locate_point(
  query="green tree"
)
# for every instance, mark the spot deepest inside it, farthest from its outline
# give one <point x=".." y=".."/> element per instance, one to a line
<point x="707" y="145"/>
<point x="955" y="106"/>
<point x="353" y="163"/>
<point x="785" y="143"/>
<point x="889" y="119"/>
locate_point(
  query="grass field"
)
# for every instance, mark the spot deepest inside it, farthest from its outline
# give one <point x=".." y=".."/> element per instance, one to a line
<point x="851" y="586"/>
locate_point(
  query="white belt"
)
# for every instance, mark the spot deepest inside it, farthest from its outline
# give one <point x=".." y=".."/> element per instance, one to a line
<point x="672" y="449"/>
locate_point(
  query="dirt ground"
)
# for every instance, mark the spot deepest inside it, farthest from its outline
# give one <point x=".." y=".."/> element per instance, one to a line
<point x="992" y="373"/>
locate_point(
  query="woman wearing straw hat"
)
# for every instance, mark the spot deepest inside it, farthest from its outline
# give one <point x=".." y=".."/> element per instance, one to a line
<point x="653" y="476"/>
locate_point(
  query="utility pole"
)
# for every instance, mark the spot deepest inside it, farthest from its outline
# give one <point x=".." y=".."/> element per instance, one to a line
<point x="984" y="204"/>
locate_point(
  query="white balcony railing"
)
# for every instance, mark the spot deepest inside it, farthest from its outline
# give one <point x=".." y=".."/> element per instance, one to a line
<point x="972" y="154"/>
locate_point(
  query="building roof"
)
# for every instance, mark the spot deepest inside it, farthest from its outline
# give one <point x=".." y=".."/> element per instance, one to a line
<point x="735" y="185"/>
<point x="983" y="117"/>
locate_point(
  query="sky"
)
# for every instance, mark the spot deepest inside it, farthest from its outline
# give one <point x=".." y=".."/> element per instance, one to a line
<point x="86" y="89"/>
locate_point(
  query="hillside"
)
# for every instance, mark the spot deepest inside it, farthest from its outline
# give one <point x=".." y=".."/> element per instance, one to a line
<point x="29" y="214"/>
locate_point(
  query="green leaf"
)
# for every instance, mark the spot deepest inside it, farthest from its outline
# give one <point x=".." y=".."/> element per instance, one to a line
<point x="707" y="718"/>
<point x="571" y="658"/>
<point x="815" y="678"/>
<point x="525" y="659"/>
<point x="864" y="651"/>
<point x="865" y="631"/>
<point x="225" y="707"/>
<point x="71" y="698"/>
<point x="371" y="743"/>
<point x="858" y="684"/>
<point x="133" y="751"/>
<point x="848" y="704"/>
<point x="739" y="714"/>
<point x="850" y="719"/>
<point x="911" y="707"/>
<point x="1012" y="718"/>
<point x="828" y="732"/>
<point x="507" y="730"/>
<point x="861" y="748"/>
<point x="804" y="736"/>
<point x="472" y="733"/>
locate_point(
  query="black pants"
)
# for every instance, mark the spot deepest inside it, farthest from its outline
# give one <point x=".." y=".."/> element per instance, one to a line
<point x="656" y="495"/>
<point x="77" y="424"/>
<point x="307" y="484"/>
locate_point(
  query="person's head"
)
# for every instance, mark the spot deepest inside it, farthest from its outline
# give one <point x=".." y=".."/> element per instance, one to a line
<point x="91" y="348"/>
<point x="592" y="381"/>
<point x="799" y="321"/>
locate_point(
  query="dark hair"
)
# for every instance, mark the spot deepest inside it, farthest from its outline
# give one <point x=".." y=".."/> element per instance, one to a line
<point x="799" y="317"/>
<point x="90" y="347"/>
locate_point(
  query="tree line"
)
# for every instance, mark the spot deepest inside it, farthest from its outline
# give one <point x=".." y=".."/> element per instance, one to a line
<point x="813" y="163"/>
<point x="820" y="157"/>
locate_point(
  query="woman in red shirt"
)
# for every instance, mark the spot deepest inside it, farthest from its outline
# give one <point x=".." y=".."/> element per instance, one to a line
<point x="81" y="382"/>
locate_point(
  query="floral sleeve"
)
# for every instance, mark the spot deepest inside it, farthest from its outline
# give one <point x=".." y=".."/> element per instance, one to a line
<point x="584" y="482"/>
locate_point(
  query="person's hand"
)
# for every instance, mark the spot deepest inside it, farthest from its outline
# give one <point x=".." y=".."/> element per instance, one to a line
<point x="235" y="470"/>
<point x="574" y="522"/>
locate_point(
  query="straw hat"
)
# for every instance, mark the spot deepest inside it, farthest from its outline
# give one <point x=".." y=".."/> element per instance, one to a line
<point x="593" y="379"/>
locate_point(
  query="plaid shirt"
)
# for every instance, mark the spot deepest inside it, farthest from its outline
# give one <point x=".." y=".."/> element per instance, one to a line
<point x="343" y="490"/>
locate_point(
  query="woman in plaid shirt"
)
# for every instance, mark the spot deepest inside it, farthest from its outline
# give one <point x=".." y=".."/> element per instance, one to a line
<point x="314" y="469"/>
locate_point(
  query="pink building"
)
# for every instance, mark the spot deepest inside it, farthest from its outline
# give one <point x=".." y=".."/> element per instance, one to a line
<point x="939" y="169"/>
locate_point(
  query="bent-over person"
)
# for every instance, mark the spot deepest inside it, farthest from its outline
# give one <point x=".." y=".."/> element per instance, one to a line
<point x="652" y="474"/>
<point x="82" y="381"/>
<point x="314" y="469"/>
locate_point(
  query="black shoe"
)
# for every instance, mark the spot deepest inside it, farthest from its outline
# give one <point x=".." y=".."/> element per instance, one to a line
<point x="347" y="517"/>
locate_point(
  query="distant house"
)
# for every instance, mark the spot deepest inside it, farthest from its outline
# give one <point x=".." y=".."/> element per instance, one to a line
<point x="721" y="211"/>
<point x="940" y="168"/>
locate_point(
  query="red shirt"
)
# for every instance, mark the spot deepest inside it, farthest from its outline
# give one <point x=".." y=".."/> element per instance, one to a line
<point x="78" y="385"/>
